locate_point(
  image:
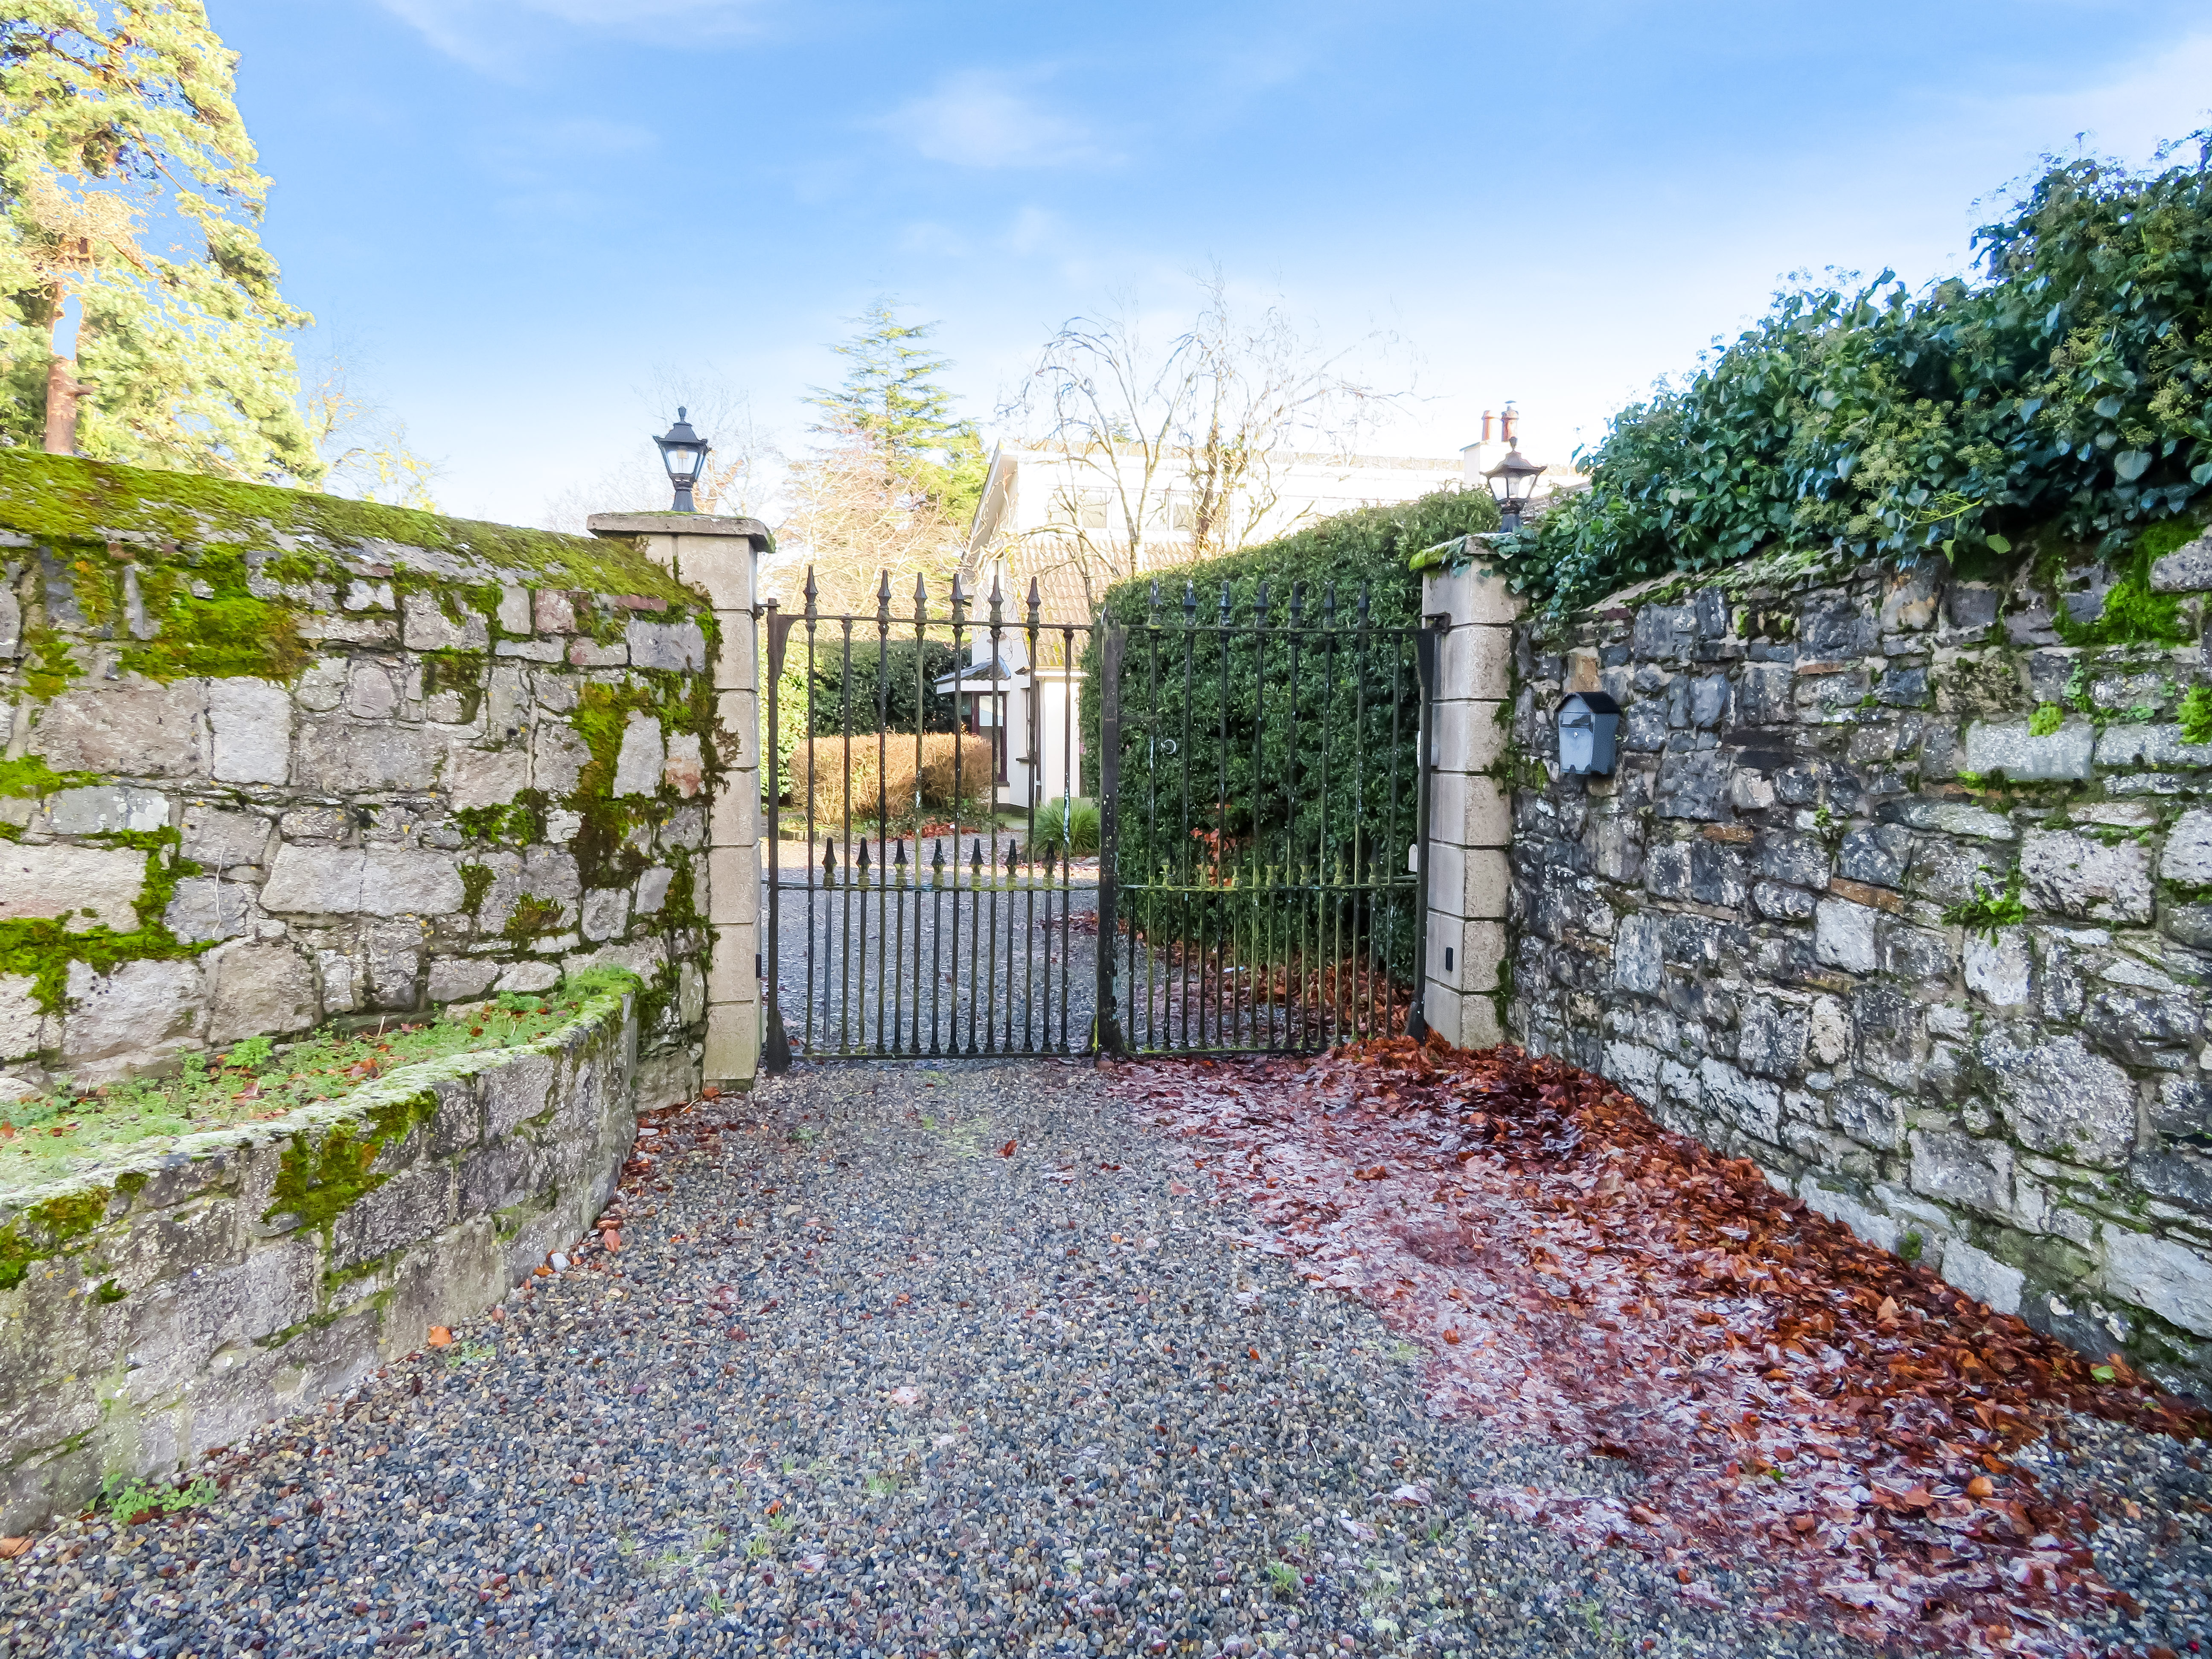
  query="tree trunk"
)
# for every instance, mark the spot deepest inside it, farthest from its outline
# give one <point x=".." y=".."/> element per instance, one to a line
<point x="62" y="386"/>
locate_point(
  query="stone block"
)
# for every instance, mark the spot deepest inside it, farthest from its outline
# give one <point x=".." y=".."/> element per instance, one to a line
<point x="528" y="977"/>
<point x="557" y="758"/>
<point x="131" y="728"/>
<point x="517" y="1091"/>
<point x="424" y="625"/>
<point x="2010" y="747"/>
<point x="1470" y="735"/>
<point x="392" y="953"/>
<point x="1870" y="1225"/>
<point x="377" y="881"/>
<point x="652" y="890"/>
<point x="1693" y="784"/>
<point x="339" y="757"/>
<point x="457" y="979"/>
<point x="1639" y="961"/>
<point x="2062" y="1099"/>
<point x="373" y="689"/>
<point x="1470" y="811"/>
<point x="23" y="1026"/>
<point x="1955" y="818"/>
<point x="1752" y="1103"/>
<point x="605" y="912"/>
<point x="217" y="840"/>
<point x="105" y="809"/>
<point x="2150" y="745"/>
<point x="1870" y="1115"/>
<point x="590" y="653"/>
<point x="2187" y="569"/>
<point x="1489" y="884"/>
<point x="479" y="777"/>
<point x="678" y="646"/>
<point x="514" y="614"/>
<point x="204" y="907"/>
<point x="1971" y="1171"/>
<point x="644" y="753"/>
<point x="732" y="1042"/>
<point x="2170" y="1277"/>
<point x="140" y="1008"/>
<point x="349" y="630"/>
<point x="2074" y="875"/>
<point x="1977" y="1273"/>
<point x="90" y="885"/>
<point x="1475" y="662"/>
<point x="1844" y="936"/>
<point x="1469" y="596"/>
<point x="2188" y="855"/>
<point x="733" y="894"/>
<point x="249" y="723"/>
<point x="1770" y="1040"/>
<point x="552" y="611"/>
<point x="1997" y="966"/>
<point x="685" y="769"/>
<point x="257" y="989"/>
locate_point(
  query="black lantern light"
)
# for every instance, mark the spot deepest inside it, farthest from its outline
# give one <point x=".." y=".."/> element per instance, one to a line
<point x="1511" y="482"/>
<point x="684" y="452"/>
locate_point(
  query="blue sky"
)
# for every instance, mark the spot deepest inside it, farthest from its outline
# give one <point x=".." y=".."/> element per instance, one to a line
<point x="518" y="212"/>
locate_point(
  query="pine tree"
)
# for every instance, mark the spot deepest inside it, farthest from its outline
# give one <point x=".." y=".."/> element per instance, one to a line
<point x="892" y="402"/>
<point x="111" y="114"/>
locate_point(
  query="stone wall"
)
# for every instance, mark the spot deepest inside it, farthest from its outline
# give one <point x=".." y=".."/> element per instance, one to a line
<point x="1903" y="888"/>
<point x="276" y="757"/>
<point x="176" y="1300"/>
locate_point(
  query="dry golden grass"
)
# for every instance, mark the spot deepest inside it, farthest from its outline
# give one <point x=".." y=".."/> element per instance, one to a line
<point x="860" y="785"/>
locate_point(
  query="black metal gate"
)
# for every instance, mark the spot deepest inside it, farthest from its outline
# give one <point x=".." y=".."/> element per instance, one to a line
<point x="982" y="835"/>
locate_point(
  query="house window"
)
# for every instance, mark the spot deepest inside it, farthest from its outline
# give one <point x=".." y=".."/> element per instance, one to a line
<point x="1090" y="509"/>
<point x="1182" y="513"/>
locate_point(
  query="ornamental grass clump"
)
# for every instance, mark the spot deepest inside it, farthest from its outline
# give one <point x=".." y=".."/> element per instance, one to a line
<point x="837" y="780"/>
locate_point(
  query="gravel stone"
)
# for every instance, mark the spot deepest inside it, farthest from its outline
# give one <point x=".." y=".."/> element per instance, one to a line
<point x="896" y="1360"/>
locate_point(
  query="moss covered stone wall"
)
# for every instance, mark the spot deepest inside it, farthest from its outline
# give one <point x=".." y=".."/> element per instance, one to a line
<point x="1902" y="886"/>
<point x="178" y="1298"/>
<point x="274" y="758"/>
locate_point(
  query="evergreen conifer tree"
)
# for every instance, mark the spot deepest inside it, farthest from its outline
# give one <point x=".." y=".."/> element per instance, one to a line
<point x="119" y="133"/>
<point x="891" y="402"/>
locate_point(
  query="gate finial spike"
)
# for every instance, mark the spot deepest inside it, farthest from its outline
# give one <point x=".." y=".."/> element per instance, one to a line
<point x="862" y="861"/>
<point x="884" y="596"/>
<point x="921" y="599"/>
<point x="813" y="592"/>
<point x="1329" y="606"/>
<point x="1012" y="850"/>
<point x="829" y="855"/>
<point x="1225" y="603"/>
<point x="1152" y="611"/>
<point x="1189" y="605"/>
<point x="898" y="855"/>
<point x="1297" y="595"/>
<point x="1260" y="606"/>
<point x="1364" y="597"/>
<point x="975" y="859"/>
<point x="936" y="858"/>
<point x="1036" y="601"/>
<point x="1050" y="847"/>
<point x="997" y="601"/>
<point x="959" y="601"/>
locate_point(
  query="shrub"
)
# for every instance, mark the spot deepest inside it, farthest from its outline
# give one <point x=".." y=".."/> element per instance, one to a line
<point x="2070" y="386"/>
<point x="854" y="781"/>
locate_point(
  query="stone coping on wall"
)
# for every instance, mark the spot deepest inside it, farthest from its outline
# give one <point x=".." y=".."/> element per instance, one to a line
<point x="169" y="1301"/>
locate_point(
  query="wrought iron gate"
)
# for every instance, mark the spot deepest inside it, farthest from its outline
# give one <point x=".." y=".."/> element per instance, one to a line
<point x="937" y="884"/>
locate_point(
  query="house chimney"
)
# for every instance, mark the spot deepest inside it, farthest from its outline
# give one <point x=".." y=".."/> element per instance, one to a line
<point x="1506" y="425"/>
<point x="1486" y="418"/>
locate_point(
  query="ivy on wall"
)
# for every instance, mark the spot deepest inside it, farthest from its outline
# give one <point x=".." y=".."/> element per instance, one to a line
<point x="2068" y="387"/>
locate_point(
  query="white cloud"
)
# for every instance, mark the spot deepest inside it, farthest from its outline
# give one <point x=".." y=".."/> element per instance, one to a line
<point x="2155" y="98"/>
<point x="487" y="33"/>
<point x="983" y="118"/>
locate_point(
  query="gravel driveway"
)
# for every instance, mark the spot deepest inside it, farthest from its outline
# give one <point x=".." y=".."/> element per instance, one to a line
<point x="892" y="1361"/>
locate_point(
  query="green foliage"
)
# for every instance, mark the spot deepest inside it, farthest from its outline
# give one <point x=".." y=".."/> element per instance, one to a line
<point x="2196" y="714"/>
<point x="2070" y="386"/>
<point x="30" y="776"/>
<point x="476" y="881"/>
<point x="873" y="704"/>
<point x="252" y="1054"/>
<point x="1075" y="831"/>
<point x="2046" y="719"/>
<point x="108" y="115"/>
<point x="2132" y="614"/>
<point x="890" y="398"/>
<point x="41" y="948"/>
<point x="533" y="916"/>
<point x="1991" y="908"/>
<point x="1323" y="781"/>
<point x="607" y="980"/>
<point x="134" y="1498"/>
<point x="46" y="1229"/>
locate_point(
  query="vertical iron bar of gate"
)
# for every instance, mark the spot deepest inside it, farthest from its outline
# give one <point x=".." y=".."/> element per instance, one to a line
<point x="1112" y="640"/>
<point x="813" y="790"/>
<point x="777" y="1058"/>
<point x="1071" y="779"/>
<point x="991" y="796"/>
<point x="1362" y="849"/>
<point x="1332" y="875"/>
<point x="1397" y="735"/>
<point x="1151" y="812"/>
<point x="888" y="962"/>
<point x="1294" y="871"/>
<point x="1426" y="642"/>
<point x="845" y="906"/>
<point x="1034" y="791"/>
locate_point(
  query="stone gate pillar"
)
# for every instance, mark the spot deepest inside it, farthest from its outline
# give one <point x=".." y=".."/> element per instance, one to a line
<point x="1470" y="806"/>
<point x="721" y="557"/>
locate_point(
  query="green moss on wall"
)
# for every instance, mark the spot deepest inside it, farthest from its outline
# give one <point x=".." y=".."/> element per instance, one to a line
<point x="41" y="948"/>
<point x="30" y="777"/>
<point x="476" y="881"/>
<point x="319" y="1179"/>
<point x="2133" y="614"/>
<point x="45" y="1230"/>
<point x="60" y="500"/>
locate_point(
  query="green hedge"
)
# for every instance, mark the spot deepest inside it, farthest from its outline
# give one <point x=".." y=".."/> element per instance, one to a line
<point x="2070" y="386"/>
<point x="1320" y="799"/>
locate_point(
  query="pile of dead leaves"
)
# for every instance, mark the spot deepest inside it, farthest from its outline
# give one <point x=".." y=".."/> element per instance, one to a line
<point x="1580" y="1274"/>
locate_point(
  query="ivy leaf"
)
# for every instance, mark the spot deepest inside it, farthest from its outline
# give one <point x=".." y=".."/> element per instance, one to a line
<point x="2131" y="464"/>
